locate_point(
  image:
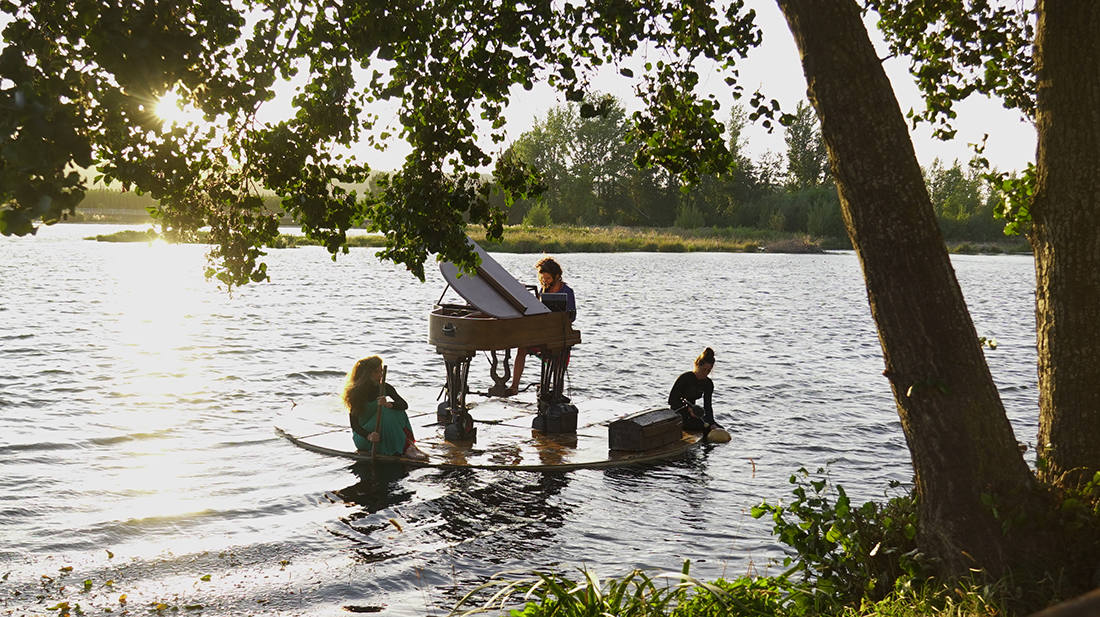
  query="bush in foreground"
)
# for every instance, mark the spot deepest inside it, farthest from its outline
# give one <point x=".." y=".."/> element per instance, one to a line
<point x="845" y="561"/>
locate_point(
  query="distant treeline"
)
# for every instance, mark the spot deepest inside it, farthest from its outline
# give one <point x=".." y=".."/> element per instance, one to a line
<point x="587" y="168"/>
<point x="113" y="205"/>
<point x="125" y="203"/>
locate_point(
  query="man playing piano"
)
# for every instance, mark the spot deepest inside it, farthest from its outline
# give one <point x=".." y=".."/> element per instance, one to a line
<point x="550" y="274"/>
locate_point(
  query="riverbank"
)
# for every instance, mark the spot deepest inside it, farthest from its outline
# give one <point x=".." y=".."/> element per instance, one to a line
<point x="574" y="239"/>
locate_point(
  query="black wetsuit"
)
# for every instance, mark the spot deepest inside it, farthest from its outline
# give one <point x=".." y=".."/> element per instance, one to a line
<point x="687" y="389"/>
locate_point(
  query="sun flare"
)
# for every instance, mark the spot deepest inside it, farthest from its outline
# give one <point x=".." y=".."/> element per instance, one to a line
<point x="174" y="109"/>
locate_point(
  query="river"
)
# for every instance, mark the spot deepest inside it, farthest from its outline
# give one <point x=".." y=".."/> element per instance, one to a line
<point x="138" y="458"/>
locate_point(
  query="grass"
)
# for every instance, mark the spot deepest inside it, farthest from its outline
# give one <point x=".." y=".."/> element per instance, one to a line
<point x="574" y="239"/>
<point x="637" y="594"/>
<point x="677" y="594"/>
<point x="1008" y="245"/>
<point x="942" y="601"/>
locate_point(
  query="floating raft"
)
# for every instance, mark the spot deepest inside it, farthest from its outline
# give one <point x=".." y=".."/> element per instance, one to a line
<point x="505" y="440"/>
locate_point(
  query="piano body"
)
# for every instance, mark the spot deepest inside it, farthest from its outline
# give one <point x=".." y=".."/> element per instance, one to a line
<point x="501" y="314"/>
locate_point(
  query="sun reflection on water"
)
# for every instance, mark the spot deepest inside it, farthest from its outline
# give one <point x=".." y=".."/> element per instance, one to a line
<point x="159" y="301"/>
<point x="155" y="308"/>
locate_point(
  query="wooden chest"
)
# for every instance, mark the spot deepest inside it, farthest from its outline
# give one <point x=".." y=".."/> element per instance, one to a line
<point x="645" y="430"/>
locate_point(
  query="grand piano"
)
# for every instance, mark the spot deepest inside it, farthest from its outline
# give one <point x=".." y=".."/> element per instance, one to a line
<point x="501" y="314"/>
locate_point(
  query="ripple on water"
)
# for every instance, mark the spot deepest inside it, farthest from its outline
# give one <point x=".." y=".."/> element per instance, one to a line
<point x="37" y="446"/>
<point x="143" y="426"/>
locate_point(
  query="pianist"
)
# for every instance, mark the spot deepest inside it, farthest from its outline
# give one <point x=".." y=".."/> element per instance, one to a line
<point x="550" y="274"/>
<point x="392" y="436"/>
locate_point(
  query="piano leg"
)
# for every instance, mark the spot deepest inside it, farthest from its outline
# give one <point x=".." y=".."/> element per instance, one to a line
<point x="460" y="425"/>
<point x="556" y="414"/>
<point x="500" y="383"/>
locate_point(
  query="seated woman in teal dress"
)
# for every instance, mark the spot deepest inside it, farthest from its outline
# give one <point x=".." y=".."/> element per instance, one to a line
<point x="362" y="396"/>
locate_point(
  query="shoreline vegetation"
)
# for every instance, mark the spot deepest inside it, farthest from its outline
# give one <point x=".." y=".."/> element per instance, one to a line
<point x="585" y="239"/>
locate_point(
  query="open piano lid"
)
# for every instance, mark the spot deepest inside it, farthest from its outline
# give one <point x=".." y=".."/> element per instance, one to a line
<point x="492" y="289"/>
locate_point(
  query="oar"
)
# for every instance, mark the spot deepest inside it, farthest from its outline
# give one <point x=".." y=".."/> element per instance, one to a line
<point x="691" y="410"/>
<point x="378" y="415"/>
<point x="686" y="405"/>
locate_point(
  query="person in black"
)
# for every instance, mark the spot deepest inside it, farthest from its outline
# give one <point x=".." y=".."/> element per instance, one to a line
<point x="687" y="390"/>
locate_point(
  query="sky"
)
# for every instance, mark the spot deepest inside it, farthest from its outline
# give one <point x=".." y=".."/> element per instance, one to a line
<point x="1011" y="141"/>
<point x="774" y="68"/>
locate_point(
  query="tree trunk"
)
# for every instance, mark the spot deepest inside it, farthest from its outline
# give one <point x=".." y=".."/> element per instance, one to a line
<point x="962" y="446"/>
<point x="1066" y="239"/>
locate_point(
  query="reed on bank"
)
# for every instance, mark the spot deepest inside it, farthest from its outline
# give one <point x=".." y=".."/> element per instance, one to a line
<point x="574" y="239"/>
<point x="578" y="239"/>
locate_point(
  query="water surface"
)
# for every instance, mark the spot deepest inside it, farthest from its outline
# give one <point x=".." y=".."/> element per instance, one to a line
<point x="137" y="401"/>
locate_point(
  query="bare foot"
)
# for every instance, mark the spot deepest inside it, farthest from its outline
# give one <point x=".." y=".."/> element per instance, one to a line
<point x="513" y="390"/>
<point x="415" y="453"/>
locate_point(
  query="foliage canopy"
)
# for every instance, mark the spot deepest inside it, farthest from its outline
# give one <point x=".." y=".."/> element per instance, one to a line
<point x="82" y="80"/>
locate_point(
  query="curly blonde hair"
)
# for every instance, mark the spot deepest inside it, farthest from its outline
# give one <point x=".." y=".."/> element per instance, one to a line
<point x="359" y="387"/>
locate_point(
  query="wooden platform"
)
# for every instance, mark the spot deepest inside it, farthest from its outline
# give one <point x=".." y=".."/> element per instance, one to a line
<point x="505" y="440"/>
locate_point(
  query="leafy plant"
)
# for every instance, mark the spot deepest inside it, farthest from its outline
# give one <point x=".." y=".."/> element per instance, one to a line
<point x="1015" y="194"/>
<point x="843" y="552"/>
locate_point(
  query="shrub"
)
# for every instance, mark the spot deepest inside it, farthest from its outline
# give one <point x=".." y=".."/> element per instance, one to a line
<point x="128" y="235"/>
<point x="845" y="553"/>
<point x="689" y="217"/>
<point x="538" y="216"/>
